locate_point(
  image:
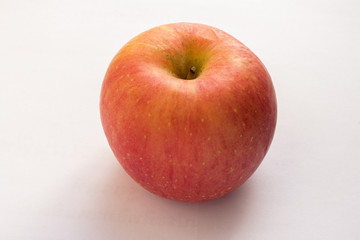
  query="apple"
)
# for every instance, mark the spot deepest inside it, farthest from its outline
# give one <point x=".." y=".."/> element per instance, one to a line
<point x="188" y="111"/>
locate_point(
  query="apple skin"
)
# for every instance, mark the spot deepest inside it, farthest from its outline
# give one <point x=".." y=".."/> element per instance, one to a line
<point x="183" y="136"/>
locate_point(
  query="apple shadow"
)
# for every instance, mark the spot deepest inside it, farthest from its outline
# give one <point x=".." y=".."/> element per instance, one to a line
<point x="121" y="209"/>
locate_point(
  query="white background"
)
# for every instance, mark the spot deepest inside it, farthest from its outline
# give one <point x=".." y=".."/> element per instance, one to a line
<point x="60" y="180"/>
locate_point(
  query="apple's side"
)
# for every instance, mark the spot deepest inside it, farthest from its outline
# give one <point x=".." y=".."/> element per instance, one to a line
<point x="188" y="140"/>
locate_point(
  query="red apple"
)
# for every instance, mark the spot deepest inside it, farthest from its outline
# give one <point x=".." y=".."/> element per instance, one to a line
<point x="188" y="110"/>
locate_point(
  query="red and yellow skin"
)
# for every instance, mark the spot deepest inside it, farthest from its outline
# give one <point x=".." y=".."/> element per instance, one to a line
<point x="182" y="134"/>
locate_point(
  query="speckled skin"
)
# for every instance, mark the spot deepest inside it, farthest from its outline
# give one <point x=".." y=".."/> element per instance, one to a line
<point x="188" y="140"/>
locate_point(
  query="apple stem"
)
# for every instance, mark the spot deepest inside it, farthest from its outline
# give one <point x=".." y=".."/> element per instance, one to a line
<point x="191" y="73"/>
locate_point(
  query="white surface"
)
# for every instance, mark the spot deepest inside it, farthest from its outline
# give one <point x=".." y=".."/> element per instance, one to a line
<point x="60" y="180"/>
